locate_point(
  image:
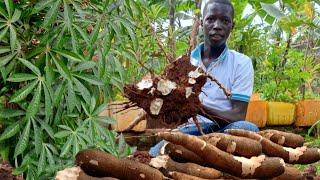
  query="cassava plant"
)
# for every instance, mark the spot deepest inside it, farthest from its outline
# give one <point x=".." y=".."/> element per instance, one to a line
<point x="61" y="62"/>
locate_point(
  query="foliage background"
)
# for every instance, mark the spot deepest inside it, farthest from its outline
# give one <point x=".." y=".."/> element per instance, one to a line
<point x="63" y="61"/>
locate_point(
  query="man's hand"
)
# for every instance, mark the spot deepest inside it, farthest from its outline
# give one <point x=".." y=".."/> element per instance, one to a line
<point x="237" y="113"/>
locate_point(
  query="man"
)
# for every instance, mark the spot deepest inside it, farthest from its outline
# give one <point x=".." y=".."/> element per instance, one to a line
<point x="232" y="69"/>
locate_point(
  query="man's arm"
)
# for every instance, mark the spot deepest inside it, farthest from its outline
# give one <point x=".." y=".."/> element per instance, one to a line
<point x="238" y="112"/>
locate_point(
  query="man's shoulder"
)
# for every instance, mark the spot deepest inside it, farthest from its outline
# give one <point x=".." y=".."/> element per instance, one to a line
<point x="240" y="58"/>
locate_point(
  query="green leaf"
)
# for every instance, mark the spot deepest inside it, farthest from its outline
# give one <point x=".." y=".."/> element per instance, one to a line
<point x="24" y="92"/>
<point x="9" y="6"/>
<point x="13" y="37"/>
<point x="10" y="113"/>
<point x="90" y="78"/>
<point x="4" y="49"/>
<point x="50" y="157"/>
<point x="16" y="15"/>
<point x="10" y="131"/>
<point x="47" y="128"/>
<point x="23" y="140"/>
<point x="48" y="102"/>
<point x="62" y="68"/>
<point x="58" y="94"/>
<point x="3" y="13"/>
<point x="3" y="32"/>
<point x="42" y="160"/>
<point x="71" y="98"/>
<point x="37" y="137"/>
<point x="62" y="134"/>
<point x="66" y="147"/>
<point x="52" y="14"/>
<point x="32" y="67"/>
<point x="272" y="10"/>
<point x="92" y="104"/>
<point x="85" y="93"/>
<point x="75" y="146"/>
<point x="69" y="55"/>
<point x="4" y="60"/>
<point x="84" y="66"/>
<point x="20" y="77"/>
<point x="33" y="107"/>
<point x="82" y="33"/>
<point x="41" y="5"/>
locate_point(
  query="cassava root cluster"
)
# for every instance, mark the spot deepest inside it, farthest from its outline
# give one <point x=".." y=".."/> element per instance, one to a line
<point x="171" y="98"/>
<point x="239" y="154"/>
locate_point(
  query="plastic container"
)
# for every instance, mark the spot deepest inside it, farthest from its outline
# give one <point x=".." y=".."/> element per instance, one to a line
<point x="307" y="112"/>
<point x="280" y="113"/>
<point x="257" y="112"/>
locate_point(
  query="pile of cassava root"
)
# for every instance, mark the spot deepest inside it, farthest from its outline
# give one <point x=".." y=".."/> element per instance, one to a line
<point x="238" y="154"/>
<point x="171" y="98"/>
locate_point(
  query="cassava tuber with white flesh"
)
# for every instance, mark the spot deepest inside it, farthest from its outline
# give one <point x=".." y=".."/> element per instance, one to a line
<point x="168" y="164"/>
<point x="255" y="167"/>
<point x="283" y="138"/>
<point x="100" y="164"/>
<point x="240" y="146"/>
<point x="299" y="155"/>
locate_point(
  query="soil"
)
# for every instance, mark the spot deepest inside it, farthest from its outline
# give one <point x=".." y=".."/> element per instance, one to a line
<point x="6" y="172"/>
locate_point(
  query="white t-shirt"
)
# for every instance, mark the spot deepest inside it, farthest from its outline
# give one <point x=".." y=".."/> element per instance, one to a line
<point x="233" y="70"/>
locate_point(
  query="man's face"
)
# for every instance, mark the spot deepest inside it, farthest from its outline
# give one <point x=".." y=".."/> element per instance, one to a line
<point x="217" y="23"/>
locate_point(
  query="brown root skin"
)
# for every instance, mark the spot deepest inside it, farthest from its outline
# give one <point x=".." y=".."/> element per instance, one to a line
<point x="100" y="164"/>
<point x="300" y="155"/>
<point x="182" y="176"/>
<point x="290" y="173"/>
<point x="76" y="173"/>
<point x="188" y="168"/>
<point x="183" y="155"/>
<point x="240" y="146"/>
<point x="256" y="167"/>
<point x="283" y="138"/>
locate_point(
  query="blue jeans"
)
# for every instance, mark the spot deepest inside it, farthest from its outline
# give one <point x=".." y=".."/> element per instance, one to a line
<point x="207" y="127"/>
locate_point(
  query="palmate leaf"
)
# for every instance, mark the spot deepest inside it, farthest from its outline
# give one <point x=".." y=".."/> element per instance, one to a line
<point x="9" y="6"/>
<point x="32" y="67"/>
<point x="24" y="92"/>
<point x="47" y="102"/>
<point x="20" y="77"/>
<point x="13" y="38"/>
<point x="85" y="93"/>
<point x="4" y="60"/>
<point x="10" y="131"/>
<point x="23" y="140"/>
<point x="33" y="107"/>
<point x="3" y="32"/>
<point x="46" y="127"/>
<point x="62" y="68"/>
<point x="70" y="55"/>
<point x="90" y="78"/>
<point x="42" y="160"/>
<point x="52" y="14"/>
<point x="10" y="113"/>
<point x="66" y="147"/>
<point x="37" y="137"/>
<point x="16" y="15"/>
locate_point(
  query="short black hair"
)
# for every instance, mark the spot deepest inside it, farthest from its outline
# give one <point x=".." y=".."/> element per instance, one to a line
<point x="226" y="2"/>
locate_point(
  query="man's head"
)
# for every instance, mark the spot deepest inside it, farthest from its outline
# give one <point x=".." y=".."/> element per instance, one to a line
<point x="217" y="22"/>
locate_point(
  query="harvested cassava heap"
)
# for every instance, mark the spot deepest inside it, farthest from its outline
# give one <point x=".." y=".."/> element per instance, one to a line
<point x="171" y="98"/>
<point x="214" y="156"/>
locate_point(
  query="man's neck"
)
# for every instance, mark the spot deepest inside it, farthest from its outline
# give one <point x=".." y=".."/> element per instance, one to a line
<point x="212" y="53"/>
